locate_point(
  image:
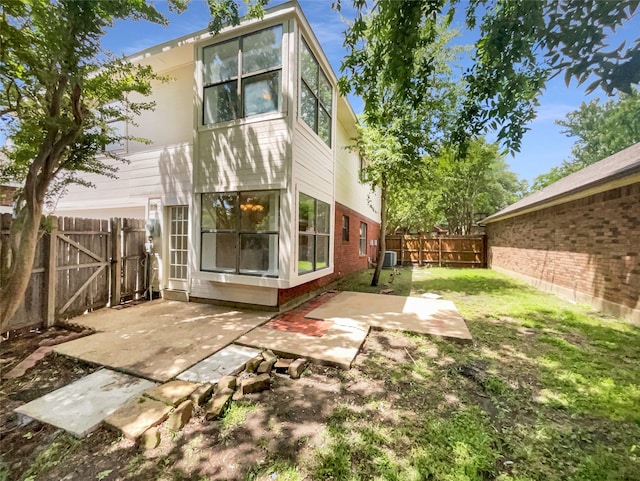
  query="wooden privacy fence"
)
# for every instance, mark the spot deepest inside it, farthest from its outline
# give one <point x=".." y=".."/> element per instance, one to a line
<point x="443" y="251"/>
<point x="80" y="265"/>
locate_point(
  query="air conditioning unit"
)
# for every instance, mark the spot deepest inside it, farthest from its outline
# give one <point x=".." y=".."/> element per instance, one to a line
<point x="390" y="259"/>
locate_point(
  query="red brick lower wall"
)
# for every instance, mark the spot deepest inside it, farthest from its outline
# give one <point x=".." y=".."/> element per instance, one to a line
<point x="587" y="250"/>
<point x="346" y="255"/>
<point x="7" y="194"/>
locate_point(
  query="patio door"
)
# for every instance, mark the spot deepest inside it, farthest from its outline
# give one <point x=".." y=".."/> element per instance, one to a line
<point x="178" y="247"/>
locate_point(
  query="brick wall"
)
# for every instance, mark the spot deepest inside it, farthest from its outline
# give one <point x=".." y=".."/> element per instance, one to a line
<point x="587" y="250"/>
<point x="347" y="258"/>
<point x="6" y="195"/>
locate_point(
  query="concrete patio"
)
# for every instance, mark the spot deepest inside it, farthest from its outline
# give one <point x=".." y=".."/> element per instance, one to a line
<point x="160" y="339"/>
<point x="201" y="343"/>
<point x="352" y="315"/>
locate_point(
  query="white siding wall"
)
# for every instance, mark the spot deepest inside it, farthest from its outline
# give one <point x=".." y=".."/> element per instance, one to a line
<point x="313" y="163"/>
<point x="248" y="155"/>
<point x="349" y="191"/>
<point x="162" y="169"/>
<point x="171" y="122"/>
<point x="205" y="289"/>
<point x="164" y="173"/>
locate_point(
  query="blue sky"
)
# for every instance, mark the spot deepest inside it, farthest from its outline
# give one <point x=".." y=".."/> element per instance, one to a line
<point x="543" y="146"/>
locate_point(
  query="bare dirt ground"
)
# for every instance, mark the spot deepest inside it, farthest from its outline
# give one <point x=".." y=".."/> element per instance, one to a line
<point x="283" y="425"/>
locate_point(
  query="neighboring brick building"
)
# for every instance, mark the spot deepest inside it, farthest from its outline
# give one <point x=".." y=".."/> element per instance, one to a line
<point x="7" y="193"/>
<point x="578" y="238"/>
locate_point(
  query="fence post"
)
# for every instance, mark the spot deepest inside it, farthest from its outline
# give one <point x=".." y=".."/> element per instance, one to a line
<point x="439" y="251"/>
<point x="116" y="261"/>
<point x="401" y="249"/>
<point x="52" y="274"/>
<point x="485" y="251"/>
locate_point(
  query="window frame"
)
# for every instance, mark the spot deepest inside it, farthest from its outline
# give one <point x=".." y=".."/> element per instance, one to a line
<point x="363" y="239"/>
<point x="238" y="232"/>
<point x="318" y="104"/>
<point x="240" y="77"/>
<point x="315" y="236"/>
<point x="345" y="228"/>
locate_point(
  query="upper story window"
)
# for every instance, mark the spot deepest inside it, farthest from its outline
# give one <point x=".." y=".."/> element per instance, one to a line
<point x="316" y="95"/>
<point x="243" y="76"/>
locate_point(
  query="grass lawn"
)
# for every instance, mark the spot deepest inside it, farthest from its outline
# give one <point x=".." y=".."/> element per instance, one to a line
<point x="548" y="390"/>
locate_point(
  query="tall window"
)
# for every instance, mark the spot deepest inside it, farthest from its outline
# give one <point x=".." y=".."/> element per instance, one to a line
<point x="315" y="95"/>
<point x="363" y="239"/>
<point x="178" y="242"/>
<point x="345" y="228"/>
<point x="240" y="232"/>
<point x="242" y="77"/>
<point x="313" y="234"/>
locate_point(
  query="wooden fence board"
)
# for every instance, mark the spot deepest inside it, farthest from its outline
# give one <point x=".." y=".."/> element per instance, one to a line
<point x="73" y="269"/>
<point x="448" y="251"/>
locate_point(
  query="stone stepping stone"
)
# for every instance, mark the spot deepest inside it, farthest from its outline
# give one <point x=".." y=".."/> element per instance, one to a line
<point x="227" y="361"/>
<point x="138" y="415"/>
<point x="172" y="392"/>
<point x="81" y="406"/>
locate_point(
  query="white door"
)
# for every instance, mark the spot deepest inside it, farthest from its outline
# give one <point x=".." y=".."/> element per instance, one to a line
<point x="178" y="247"/>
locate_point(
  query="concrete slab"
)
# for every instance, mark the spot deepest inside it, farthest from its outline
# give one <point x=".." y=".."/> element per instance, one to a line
<point x="81" y="406"/>
<point x="172" y="392"/>
<point x="138" y="415"/>
<point x="158" y="340"/>
<point x="425" y="316"/>
<point x="228" y="361"/>
<point x="337" y="347"/>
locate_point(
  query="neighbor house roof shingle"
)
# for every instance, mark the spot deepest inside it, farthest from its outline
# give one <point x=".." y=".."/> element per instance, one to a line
<point x="617" y="166"/>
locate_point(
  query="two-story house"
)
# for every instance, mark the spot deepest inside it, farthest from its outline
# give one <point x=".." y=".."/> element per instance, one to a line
<point x="251" y="190"/>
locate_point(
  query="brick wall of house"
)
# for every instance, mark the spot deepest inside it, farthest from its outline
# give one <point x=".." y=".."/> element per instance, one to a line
<point x="588" y="248"/>
<point x="347" y="258"/>
<point x="6" y="195"/>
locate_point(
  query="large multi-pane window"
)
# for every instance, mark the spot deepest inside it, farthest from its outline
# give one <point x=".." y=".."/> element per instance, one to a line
<point x="240" y="232"/>
<point x="315" y="95"/>
<point x="313" y="234"/>
<point x="243" y="76"/>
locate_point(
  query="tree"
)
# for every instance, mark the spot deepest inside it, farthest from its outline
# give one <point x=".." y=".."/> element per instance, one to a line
<point x="402" y="128"/>
<point x="522" y="44"/>
<point x="601" y="130"/>
<point x="470" y="183"/>
<point x="58" y="92"/>
<point x="454" y="188"/>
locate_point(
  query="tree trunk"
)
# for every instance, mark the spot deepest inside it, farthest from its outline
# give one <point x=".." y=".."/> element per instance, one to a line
<point x="382" y="241"/>
<point x="25" y="229"/>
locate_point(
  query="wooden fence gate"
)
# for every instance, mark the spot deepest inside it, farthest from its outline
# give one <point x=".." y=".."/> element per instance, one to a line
<point x="443" y="251"/>
<point x="80" y="265"/>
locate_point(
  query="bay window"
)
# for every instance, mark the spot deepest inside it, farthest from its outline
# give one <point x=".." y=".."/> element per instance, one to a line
<point x="240" y="232"/>
<point x="314" y="217"/>
<point x="243" y="76"/>
<point x="315" y="95"/>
